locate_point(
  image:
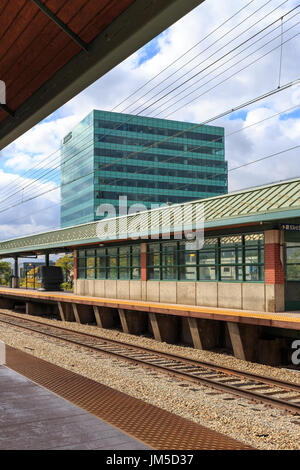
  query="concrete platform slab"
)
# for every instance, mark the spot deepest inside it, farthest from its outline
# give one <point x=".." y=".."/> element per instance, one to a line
<point x="33" y="418"/>
<point x="289" y="320"/>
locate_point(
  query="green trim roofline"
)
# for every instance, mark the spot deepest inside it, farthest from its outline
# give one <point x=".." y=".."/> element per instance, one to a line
<point x="277" y="201"/>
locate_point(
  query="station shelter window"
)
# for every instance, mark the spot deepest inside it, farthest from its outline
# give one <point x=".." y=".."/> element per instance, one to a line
<point x="293" y="261"/>
<point x="109" y="263"/>
<point x="237" y="258"/>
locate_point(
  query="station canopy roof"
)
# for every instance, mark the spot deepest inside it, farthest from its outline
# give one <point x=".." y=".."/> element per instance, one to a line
<point x="50" y="50"/>
<point x="271" y="203"/>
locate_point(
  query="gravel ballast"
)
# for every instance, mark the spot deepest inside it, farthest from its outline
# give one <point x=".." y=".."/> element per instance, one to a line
<point x="255" y="424"/>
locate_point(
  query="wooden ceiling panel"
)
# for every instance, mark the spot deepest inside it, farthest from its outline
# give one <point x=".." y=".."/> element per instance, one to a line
<point x="2" y="115"/>
<point x="88" y="14"/>
<point x="16" y="57"/>
<point x="9" y="12"/>
<point x="55" y="5"/>
<point x="33" y="48"/>
<point x="13" y="21"/>
<point x="40" y="46"/>
<point x="49" y="41"/>
<point x="50" y="67"/>
<point x="112" y="10"/>
<point x="36" y="72"/>
<point x="69" y="9"/>
<point x="3" y="4"/>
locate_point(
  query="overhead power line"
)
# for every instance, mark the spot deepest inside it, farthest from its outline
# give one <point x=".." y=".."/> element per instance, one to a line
<point x="182" y="55"/>
<point x="54" y="204"/>
<point x="124" y="157"/>
<point x="47" y="173"/>
<point x="214" y="53"/>
<point x="193" y="127"/>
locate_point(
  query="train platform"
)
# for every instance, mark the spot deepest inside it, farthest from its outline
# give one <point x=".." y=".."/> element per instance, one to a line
<point x="288" y="320"/>
<point x="45" y="406"/>
<point x="34" y="418"/>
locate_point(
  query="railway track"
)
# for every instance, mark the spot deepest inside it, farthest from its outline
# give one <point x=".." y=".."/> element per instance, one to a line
<point x="267" y="390"/>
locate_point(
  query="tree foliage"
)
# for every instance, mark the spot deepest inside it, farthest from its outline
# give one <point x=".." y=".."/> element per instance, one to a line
<point x="66" y="262"/>
<point x="5" y="272"/>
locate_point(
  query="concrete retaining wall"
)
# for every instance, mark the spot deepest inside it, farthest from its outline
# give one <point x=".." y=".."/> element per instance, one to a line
<point x="246" y="296"/>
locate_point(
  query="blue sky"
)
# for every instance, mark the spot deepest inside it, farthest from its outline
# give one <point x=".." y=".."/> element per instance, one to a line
<point x="39" y="147"/>
<point x="149" y="51"/>
<point x="293" y="115"/>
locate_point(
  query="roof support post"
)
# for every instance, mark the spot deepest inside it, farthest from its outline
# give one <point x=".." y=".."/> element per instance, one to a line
<point x="61" y="24"/>
<point x="195" y="334"/>
<point x="236" y="340"/>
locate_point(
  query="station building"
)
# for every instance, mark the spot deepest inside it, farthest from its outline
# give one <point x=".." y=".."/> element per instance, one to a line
<point x="250" y="258"/>
<point x="244" y="282"/>
<point x="108" y="155"/>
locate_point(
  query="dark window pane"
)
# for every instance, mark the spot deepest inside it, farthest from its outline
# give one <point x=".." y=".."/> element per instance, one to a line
<point x="124" y="261"/>
<point x="90" y="262"/>
<point x="252" y="273"/>
<point x="228" y="273"/>
<point x="228" y="256"/>
<point x="90" y="252"/>
<point x="169" y="259"/>
<point x="135" y="273"/>
<point x="293" y="255"/>
<point x="81" y="273"/>
<point x="207" y="273"/>
<point x="169" y="273"/>
<point x="90" y="273"/>
<point x="154" y="259"/>
<point x="154" y="247"/>
<point x="112" y="273"/>
<point x="136" y="250"/>
<point x="188" y="273"/>
<point x="207" y="257"/>
<point x="154" y="273"/>
<point x="187" y="258"/>
<point x="124" y="273"/>
<point x="251" y="256"/>
<point x="136" y="261"/>
<point x="293" y="272"/>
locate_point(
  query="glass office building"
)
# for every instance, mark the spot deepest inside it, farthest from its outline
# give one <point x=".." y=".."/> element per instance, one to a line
<point x="148" y="160"/>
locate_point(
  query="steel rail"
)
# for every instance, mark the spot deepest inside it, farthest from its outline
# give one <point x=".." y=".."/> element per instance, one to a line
<point x="195" y="362"/>
<point x="209" y="382"/>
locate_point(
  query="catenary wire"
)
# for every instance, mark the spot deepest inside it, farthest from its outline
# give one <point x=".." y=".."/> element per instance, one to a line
<point x="226" y="136"/>
<point x="200" y="41"/>
<point x="53" y="169"/>
<point x="214" y="53"/>
<point x="261" y="97"/>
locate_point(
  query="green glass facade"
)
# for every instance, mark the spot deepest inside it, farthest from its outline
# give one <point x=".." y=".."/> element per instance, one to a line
<point x="110" y="155"/>
<point x="109" y="263"/>
<point x="234" y="258"/>
<point x="293" y="261"/>
<point x="238" y="258"/>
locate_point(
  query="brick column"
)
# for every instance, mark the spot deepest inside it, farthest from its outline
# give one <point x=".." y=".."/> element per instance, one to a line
<point x="75" y="266"/>
<point x="274" y="272"/>
<point x="143" y="261"/>
<point x="274" y="268"/>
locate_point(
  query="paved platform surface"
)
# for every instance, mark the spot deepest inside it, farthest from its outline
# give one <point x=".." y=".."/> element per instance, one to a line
<point x="33" y="418"/>
<point x="290" y="320"/>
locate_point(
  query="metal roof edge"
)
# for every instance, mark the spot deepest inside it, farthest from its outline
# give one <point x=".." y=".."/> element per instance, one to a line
<point x="217" y="222"/>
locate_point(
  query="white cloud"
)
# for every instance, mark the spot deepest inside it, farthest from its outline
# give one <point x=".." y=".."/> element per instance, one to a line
<point x="254" y="142"/>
